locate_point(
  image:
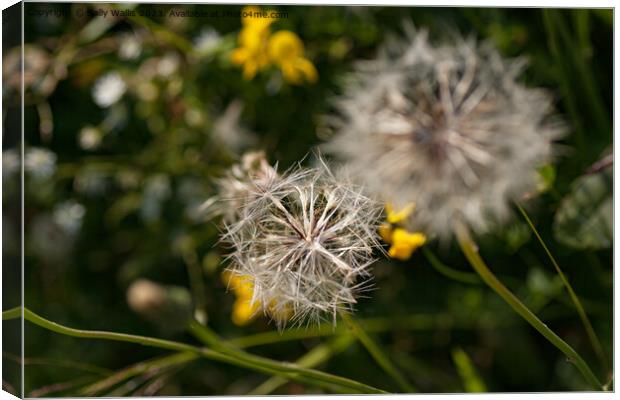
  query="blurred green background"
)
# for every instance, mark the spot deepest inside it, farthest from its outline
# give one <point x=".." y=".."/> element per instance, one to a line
<point x="114" y="184"/>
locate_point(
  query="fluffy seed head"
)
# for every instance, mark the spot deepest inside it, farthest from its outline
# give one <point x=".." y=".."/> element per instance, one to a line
<point x="446" y="127"/>
<point x="306" y="241"/>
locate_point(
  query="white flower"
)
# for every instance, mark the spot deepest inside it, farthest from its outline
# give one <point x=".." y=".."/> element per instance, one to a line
<point x="306" y="241"/>
<point x="130" y="47"/>
<point x="109" y="89"/>
<point x="90" y="137"/>
<point x="68" y="215"/>
<point x="448" y="128"/>
<point x="207" y="41"/>
<point x="41" y="163"/>
<point x="168" y="65"/>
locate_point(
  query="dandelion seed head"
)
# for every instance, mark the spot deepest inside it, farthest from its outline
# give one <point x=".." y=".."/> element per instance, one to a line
<point x="448" y="128"/>
<point x="306" y="241"/>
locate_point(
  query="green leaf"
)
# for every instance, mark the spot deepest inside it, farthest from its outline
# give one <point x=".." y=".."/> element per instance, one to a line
<point x="585" y="217"/>
<point x="466" y="369"/>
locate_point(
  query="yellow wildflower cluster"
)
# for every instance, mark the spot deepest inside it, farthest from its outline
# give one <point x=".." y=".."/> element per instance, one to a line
<point x="244" y="310"/>
<point x="258" y="49"/>
<point x="402" y="242"/>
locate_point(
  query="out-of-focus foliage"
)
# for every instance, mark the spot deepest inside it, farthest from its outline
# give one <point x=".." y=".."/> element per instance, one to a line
<point x="130" y="120"/>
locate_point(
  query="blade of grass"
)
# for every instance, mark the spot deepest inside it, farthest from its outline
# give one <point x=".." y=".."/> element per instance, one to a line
<point x="582" y="69"/>
<point x="470" y="249"/>
<point x="196" y="284"/>
<point x="318" y="355"/>
<point x="377" y="354"/>
<point x="563" y="76"/>
<point x="594" y="341"/>
<point x="472" y="383"/>
<point x="260" y="364"/>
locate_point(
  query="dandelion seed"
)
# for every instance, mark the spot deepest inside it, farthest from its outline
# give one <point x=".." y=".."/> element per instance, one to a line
<point x="109" y="89"/>
<point x="238" y="186"/>
<point x="446" y="127"/>
<point x="306" y="241"/>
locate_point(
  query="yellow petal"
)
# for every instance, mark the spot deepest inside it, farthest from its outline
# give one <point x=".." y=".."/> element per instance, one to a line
<point x="307" y="69"/>
<point x="291" y="74"/>
<point x="405" y="243"/>
<point x="249" y="69"/>
<point x="244" y="311"/>
<point x="239" y="56"/>
<point x="285" y="46"/>
<point x="394" y="217"/>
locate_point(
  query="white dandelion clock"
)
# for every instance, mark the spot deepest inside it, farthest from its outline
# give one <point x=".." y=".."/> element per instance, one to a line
<point x="448" y="128"/>
<point x="109" y="89"/>
<point x="306" y="241"/>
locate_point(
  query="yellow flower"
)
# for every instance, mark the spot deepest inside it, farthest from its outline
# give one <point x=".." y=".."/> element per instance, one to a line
<point x="395" y="217"/>
<point x="244" y="310"/>
<point x="286" y="51"/>
<point x="252" y="52"/>
<point x="405" y="243"/>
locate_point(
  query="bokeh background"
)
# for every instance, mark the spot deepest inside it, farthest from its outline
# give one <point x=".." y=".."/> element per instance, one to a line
<point x="129" y="120"/>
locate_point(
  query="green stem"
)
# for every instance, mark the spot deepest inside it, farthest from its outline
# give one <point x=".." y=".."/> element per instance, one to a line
<point x="377" y="354"/>
<point x="461" y="276"/>
<point x="261" y="364"/>
<point x="596" y="344"/>
<point x="470" y="250"/>
<point x="210" y="338"/>
<point x="313" y="358"/>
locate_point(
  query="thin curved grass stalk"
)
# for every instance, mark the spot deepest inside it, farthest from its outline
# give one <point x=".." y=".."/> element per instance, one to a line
<point x="197" y="285"/>
<point x="261" y="364"/>
<point x="318" y="355"/>
<point x="470" y="249"/>
<point x="594" y="341"/>
<point x="377" y="354"/>
<point x="84" y="367"/>
<point x="443" y="269"/>
<point x="58" y="387"/>
<point x="137" y="369"/>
